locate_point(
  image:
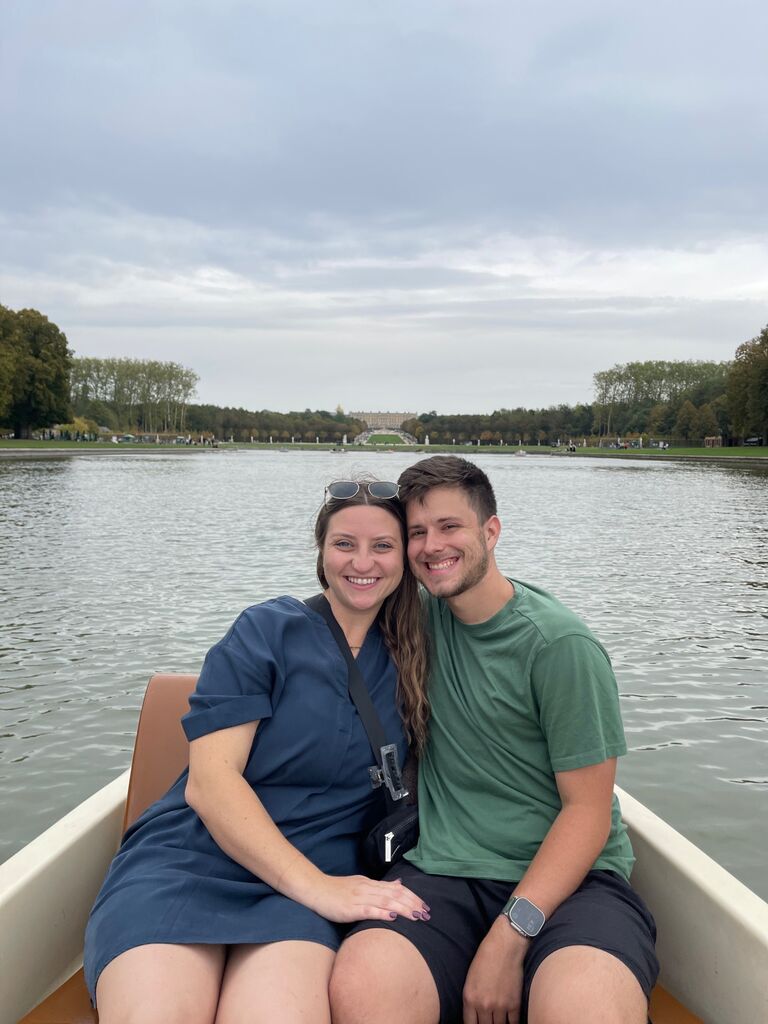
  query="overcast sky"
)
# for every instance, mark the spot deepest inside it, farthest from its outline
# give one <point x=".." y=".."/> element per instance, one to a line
<point x="418" y="205"/>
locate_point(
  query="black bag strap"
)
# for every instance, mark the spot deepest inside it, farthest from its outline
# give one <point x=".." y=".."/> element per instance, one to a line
<point x="361" y="698"/>
<point x="358" y="691"/>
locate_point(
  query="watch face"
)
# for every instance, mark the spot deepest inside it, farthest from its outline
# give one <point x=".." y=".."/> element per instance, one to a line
<point x="526" y="916"/>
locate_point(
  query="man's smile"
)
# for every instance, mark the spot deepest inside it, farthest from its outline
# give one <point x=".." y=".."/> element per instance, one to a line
<point x="446" y="563"/>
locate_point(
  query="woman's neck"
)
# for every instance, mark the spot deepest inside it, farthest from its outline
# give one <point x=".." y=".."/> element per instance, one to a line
<point x="354" y="625"/>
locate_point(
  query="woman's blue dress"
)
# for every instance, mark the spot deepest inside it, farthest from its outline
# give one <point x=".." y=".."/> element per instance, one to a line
<point x="170" y="881"/>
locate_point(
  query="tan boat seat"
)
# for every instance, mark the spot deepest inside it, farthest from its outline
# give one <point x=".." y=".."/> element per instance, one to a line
<point x="159" y="756"/>
<point x="161" y="751"/>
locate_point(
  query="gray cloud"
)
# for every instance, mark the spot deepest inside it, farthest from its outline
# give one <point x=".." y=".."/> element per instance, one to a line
<point x="445" y="205"/>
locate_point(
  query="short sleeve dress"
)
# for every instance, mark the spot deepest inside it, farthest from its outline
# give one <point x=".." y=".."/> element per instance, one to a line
<point x="170" y="882"/>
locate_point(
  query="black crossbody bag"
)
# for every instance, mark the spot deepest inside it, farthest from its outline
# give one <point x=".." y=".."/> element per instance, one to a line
<point x="398" y="830"/>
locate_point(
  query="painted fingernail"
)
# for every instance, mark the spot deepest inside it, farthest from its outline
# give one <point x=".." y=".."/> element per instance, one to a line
<point x="425" y="907"/>
<point x="417" y="916"/>
<point x="392" y="914"/>
<point x="425" y="917"/>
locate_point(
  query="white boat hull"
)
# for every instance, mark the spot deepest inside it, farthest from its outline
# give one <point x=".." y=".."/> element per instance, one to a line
<point x="46" y="893"/>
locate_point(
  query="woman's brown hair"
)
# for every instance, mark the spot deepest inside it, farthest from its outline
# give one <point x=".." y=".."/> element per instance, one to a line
<point x="401" y="617"/>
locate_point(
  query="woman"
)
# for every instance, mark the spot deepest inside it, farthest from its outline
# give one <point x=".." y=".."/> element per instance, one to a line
<point x="227" y="900"/>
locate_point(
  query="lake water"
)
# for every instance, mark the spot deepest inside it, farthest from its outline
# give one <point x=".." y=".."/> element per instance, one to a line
<point x="116" y="566"/>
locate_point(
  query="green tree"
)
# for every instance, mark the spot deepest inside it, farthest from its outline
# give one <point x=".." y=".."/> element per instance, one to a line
<point x="40" y="362"/>
<point x="687" y="422"/>
<point x="610" y="392"/>
<point x="719" y="407"/>
<point x="748" y="387"/>
<point x="629" y="395"/>
<point x="657" y="420"/>
<point x="141" y="393"/>
<point x="708" y="425"/>
<point x="8" y="359"/>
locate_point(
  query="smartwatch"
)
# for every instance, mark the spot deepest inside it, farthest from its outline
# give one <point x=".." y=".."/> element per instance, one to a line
<point x="524" y="916"/>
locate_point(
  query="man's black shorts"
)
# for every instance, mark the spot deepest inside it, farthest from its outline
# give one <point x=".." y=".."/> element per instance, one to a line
<point x="604" y="912"/>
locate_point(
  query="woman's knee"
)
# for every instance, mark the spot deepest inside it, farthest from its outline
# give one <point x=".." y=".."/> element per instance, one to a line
<point x="145" y="1008"/>
<point x="161" y="984"/>
<point x="276" y="981"/>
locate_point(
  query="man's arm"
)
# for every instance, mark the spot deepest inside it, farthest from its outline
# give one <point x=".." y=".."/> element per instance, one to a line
<point x="570" y="848"/>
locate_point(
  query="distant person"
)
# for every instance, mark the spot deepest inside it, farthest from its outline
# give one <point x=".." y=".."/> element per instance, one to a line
<point x="522" y="856"/>
<point x="229" y="896"/>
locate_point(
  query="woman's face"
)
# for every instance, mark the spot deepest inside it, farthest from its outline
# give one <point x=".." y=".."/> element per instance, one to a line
<point x="363" y="557"/>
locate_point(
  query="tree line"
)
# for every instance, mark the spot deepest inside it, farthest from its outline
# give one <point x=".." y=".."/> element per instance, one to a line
<point x="281" y="428"/>
<point x="42" y="384"/>
<point x="137" y="394"/>
<point x="680" y="399"/>
<point x="687" y="399"/>
<point x="151" y="397"/>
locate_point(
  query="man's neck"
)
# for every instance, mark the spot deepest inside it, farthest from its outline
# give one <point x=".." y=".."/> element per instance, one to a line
<point x="481" y="602"/>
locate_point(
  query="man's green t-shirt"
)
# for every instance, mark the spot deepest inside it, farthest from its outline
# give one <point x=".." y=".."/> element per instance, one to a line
<point x="515" y="699"/>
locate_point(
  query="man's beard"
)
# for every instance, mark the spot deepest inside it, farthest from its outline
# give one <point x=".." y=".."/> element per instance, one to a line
<point x="472" y="577"/>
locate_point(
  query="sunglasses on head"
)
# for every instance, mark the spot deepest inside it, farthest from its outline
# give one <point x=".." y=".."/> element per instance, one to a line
<point x="382" y="489"/>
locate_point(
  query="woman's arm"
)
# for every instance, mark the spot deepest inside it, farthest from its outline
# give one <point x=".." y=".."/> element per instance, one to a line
<point x="237" y="820"/>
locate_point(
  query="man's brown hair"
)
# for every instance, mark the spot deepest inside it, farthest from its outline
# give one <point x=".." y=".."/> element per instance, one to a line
<point x="449" y="471"/>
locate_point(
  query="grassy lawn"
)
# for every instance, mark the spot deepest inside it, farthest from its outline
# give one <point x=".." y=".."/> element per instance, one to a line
<point x="385" y="439"/>
<point x="392" y="440"/>
<point x="95" y="445"/>
<point x="734" y="453"/>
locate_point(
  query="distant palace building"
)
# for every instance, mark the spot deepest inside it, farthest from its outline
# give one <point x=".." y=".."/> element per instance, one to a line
<point x="383" y="420"/>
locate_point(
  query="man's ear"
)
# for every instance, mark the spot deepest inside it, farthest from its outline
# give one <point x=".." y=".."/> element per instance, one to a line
<point x="492" y="531"/>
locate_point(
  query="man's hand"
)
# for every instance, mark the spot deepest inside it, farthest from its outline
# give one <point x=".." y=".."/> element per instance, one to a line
<point x="494" y="985"/>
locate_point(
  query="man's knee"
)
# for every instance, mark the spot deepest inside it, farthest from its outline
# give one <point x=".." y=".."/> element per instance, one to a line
<point x="358" y="985"/>
<point x="345" y="987"/>
<point x="380" y="976"/>
<point x="584" y="985"/>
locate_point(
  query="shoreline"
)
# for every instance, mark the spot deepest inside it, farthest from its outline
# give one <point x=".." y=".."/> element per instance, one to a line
<point x="37" y="449"/>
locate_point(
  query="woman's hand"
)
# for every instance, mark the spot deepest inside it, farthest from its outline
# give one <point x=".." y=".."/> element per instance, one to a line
<point x="357" y="898"/>
<point x="239" y="823"/>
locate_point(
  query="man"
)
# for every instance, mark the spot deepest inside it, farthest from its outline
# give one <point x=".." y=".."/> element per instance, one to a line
<point x="522" y="857"/>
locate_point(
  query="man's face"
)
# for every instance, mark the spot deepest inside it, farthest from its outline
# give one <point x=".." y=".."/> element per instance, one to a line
<point x="447" y="545"/>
